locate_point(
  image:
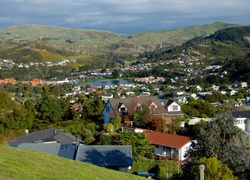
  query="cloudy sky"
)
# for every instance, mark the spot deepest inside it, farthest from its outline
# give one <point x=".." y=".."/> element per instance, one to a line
<point x="123" y="16"/>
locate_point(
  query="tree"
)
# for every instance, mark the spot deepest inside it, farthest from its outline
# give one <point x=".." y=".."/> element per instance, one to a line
<point x="237" y="155"/>
<point x="117" y="122"/>
<point x="214" y="170"/>
<point x="198" y="108"/>
<point x="105" y="139"/>
<point x="49" y="111"/>
<point x="221" y="139"/>
<point x="139" y="142"/>
<point x="115" y="74"/>
<point x="159" y="124"/>
<point x="92" y="108"/>
<point x="109" y="127"/>
<point x="142" y="116"/>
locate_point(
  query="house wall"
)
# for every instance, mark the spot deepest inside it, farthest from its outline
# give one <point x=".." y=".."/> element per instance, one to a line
<point x="241" y="123"/>
<point x="107" y="113"/>
<point x="248" y="125"/>
<point x="183" y="151"/>
<point x="171" y="107"/>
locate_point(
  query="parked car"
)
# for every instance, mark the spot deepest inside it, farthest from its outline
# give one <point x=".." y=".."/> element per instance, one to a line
<point x="145" y="174"/>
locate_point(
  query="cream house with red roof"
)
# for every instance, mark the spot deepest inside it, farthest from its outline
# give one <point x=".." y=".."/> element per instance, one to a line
<point x="168" y="145"/>
<point x="171" y="146"/>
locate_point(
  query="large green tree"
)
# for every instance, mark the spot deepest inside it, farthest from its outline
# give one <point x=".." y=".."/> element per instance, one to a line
<point x="92" y="108"/>
<point x="224" y="140"/>
<point x="139" y="142"/>
<point x="49" y="110"/>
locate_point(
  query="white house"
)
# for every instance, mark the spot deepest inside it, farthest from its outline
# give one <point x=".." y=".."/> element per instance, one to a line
<point x="167" y="145"/>
<point x="242" y="119"/>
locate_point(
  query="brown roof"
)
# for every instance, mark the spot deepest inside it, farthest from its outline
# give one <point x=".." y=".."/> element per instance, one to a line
<point x="132" y="103"/>
<point x="166" y="139"/>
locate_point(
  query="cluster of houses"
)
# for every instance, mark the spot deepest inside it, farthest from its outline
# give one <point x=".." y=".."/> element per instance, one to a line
<point x="170" y="146"/>
<point x="12" y="81"/>
<point x="8" y="64"/>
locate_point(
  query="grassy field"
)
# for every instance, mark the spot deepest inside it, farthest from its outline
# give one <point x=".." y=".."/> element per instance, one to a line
<point x="25" y="164"/>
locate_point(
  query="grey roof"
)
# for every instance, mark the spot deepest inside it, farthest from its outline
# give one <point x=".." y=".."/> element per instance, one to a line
<point x="63" y="150"/>
<point x="106" y="156"/>
<point x="241" y="114"/>
<point x="47" y="135"/>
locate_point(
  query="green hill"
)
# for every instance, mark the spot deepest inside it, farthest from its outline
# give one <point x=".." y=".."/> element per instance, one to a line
<point x="33" y="32"/>
<point x="96" y="43"/>
<point x="35" y="51"/>
<point x="26" y="164"/>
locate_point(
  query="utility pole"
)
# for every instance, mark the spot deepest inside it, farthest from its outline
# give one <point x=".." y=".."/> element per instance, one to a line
<point x="202" y="167"/>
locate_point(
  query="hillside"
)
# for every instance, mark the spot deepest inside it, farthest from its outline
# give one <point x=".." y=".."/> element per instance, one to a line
<point x="35" y="51"/>
<point x="26" y="164"/>
<point x="229" y="47"/>
<point x="102" y="43"/>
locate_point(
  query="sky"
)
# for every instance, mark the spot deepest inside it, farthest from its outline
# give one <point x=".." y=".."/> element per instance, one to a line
<point x="123" y="16"/>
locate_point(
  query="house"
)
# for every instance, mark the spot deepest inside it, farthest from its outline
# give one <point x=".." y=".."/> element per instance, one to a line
<point x="164" y="108"/>
<point x="247" y="101"/>
<point x="195" y="120"/>
<point x="51" y="135"/>
<point x="58" y="149"/>
<point x="8" y="81"/>
<point x="107" y="96"/>
<point x="55" y="142"/>
<point x="242" y="119"/>
<point x="36" y="81"/>
<point x="116" y="157"/>
<point x="171" y="146"/>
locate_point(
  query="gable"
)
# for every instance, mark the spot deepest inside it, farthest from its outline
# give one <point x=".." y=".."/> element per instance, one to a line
<point x="174" y="107"/>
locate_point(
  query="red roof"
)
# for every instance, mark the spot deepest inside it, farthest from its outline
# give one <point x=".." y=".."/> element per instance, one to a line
<point x="166" y="139"/>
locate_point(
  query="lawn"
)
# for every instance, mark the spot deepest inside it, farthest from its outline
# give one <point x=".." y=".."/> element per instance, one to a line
<point x="26" y="164"/>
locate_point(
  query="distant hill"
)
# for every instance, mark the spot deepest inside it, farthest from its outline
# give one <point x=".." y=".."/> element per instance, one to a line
<point x="229" y="47"/>
<point x="36" y="32"/>
<point x="26" y="164"/>
<point x="100" y="43"/>
<point x="237" y="35"/>
<point x="35" y="51"/>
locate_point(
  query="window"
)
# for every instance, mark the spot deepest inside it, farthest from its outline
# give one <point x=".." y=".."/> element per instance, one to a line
<point x="240" y="122"/>
<point x="122" y="109"/>
<point x="175" y="108"/>
<point x="107" y="109"/>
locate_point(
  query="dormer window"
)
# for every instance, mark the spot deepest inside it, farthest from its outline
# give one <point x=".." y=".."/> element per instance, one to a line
<point x="123" y="108"/>
<point x="138" y="107"/>
<point x="152" y="107"/>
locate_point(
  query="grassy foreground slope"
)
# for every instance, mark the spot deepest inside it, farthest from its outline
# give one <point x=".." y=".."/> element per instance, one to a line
<point x="25" y="164"/>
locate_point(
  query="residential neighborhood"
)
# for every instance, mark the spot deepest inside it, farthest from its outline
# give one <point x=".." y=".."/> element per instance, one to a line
<point x="158" y="117"/>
